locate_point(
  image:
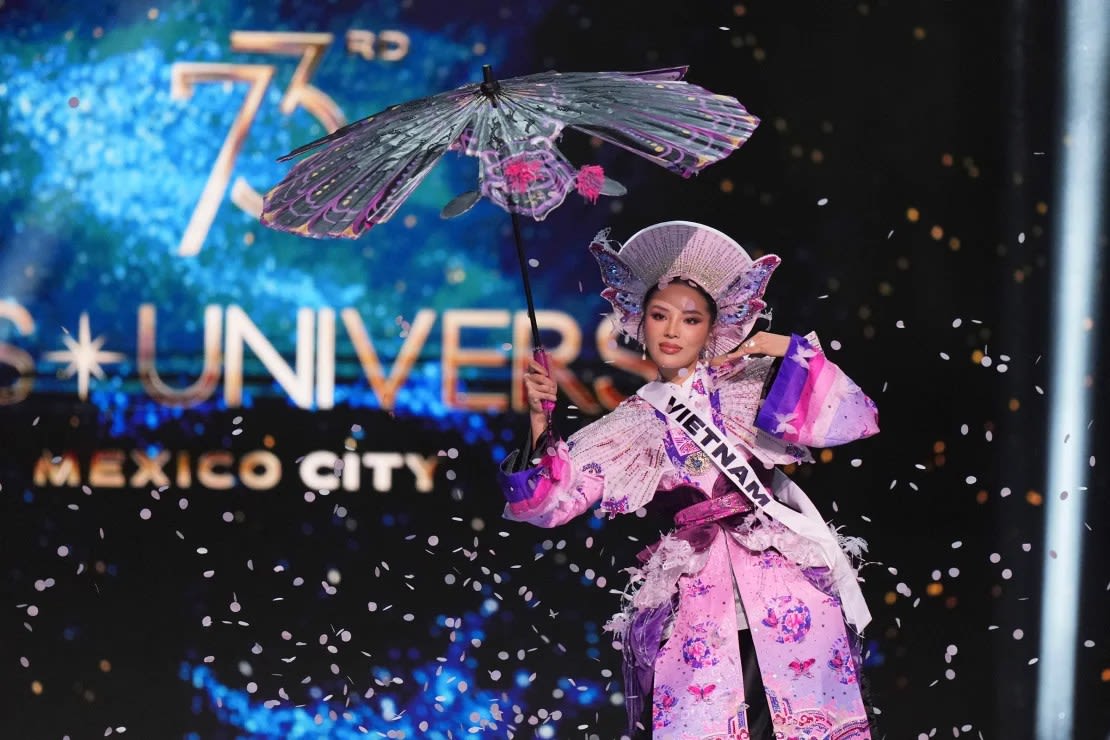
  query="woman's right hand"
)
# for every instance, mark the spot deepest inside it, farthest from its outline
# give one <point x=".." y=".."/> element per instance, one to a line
<point x="538" y="387"/>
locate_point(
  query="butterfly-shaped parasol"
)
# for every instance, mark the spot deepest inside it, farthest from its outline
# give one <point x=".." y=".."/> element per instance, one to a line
<point x="359" y="175"/>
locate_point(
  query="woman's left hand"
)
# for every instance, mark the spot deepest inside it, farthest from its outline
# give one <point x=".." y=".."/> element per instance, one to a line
<point x="763" y="343"/>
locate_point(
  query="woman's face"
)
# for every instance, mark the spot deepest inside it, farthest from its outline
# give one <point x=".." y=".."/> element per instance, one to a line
<point x="676" y="327"/>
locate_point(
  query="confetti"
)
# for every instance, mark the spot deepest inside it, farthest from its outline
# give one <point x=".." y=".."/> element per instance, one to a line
<point x="466" y="627"/>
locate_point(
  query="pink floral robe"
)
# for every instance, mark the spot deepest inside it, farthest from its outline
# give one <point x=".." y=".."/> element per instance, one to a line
<point x="741" y="571"/>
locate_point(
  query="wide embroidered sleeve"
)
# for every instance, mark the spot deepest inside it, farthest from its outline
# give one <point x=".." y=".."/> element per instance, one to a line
<point x="616" y="460"/>
<point x="738" y="388"/>
<point x="812" y="402"/>
<point x="549" y="493"/>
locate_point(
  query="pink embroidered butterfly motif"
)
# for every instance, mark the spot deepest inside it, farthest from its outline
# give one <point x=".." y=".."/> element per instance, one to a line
<point x="772" y="619"/>
<point x="801" y="667"/>
<point x="701" y="692"/>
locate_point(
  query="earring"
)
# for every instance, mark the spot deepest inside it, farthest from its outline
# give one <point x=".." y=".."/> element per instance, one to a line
<point x="705" y="348"/>
<point x="643" y="353"/>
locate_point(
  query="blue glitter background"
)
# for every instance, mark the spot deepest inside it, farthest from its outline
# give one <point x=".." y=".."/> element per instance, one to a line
<point x="99" y="192"/>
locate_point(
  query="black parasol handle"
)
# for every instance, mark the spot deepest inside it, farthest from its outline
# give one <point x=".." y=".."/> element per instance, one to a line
<point x="489" y="87"/>
<point x="537" y="348"/>
<point x="519" y="242"/>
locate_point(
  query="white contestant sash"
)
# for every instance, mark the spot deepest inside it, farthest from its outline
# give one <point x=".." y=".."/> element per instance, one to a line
<point x="733" y="463"/>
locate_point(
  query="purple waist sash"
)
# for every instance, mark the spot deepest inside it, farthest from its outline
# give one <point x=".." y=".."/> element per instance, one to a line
<point x="695" y="523"/>
<point x="712" y="510"/>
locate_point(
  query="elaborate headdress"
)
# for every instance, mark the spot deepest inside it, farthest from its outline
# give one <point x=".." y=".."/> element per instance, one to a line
<point x="682" y="250"/>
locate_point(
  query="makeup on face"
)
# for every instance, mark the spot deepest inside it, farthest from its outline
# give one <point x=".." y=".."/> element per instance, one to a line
<point x="676" y="326"/>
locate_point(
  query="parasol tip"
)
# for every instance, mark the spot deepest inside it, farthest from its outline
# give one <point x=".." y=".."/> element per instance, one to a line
<point x="490" y="86"/>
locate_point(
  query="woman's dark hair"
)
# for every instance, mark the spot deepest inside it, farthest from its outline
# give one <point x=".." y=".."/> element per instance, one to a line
<point x="655" y="289"/>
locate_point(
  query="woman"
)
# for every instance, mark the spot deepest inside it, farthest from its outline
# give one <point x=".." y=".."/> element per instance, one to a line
<point x="735" y="623"/>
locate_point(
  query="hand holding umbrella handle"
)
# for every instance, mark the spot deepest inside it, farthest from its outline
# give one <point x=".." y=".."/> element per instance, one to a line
<point x="540" y="356"/>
